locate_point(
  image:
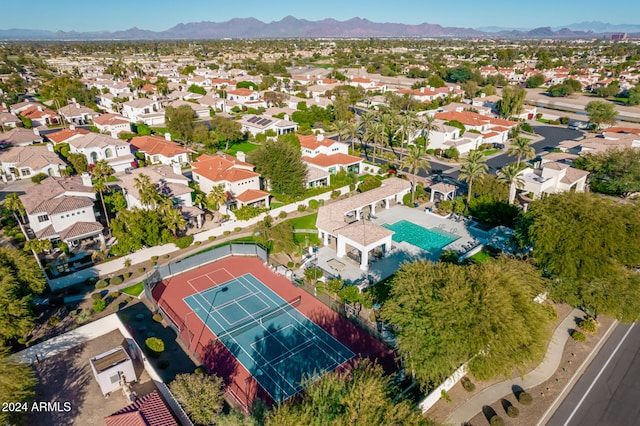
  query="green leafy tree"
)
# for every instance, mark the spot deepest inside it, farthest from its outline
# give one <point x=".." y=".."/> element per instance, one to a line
<point x="13" y="203"/>
<point x="364" y="397"/>
<point x="179" y="121"/>
<point x="414" y="163"/>
<point x="115" y="202"/>
<point x="589" y="246"/>
<point x="484" y="314"/>
<point x="634" y="96"/>
<point x="17" y="385"/>
<point x="281" y="166"/>
<point x="601" y="113"/>
<point x="473" y="167"/>
<point x="613" y="172"/>
<point x="227" y="130"/>
<point x="512" y="102"/>
<point x="521" y="148"/>
<point x="135" y="228"/>
<point x="78" y="162"/>
<point x="201" y="396"/>
<point x="199" y="90"/>
<point x="535" y="81"/>
<point x="20" y="281"/>
<point x="147" y="191"/>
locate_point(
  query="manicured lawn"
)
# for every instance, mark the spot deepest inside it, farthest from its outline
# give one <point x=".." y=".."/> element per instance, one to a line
<point x="490" y="151"/>
<point x="245" y="147"/>
<point x="276" y="205"/>
<point x="302" y="238"/>
<point x="134" y="290"/>
<point x="304" y="222"/>
<point x="480" y="257"/>
<point x="543" y="120"/>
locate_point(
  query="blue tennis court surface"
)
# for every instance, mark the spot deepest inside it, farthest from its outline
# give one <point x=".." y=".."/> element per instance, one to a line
<point x="276" y="343"/>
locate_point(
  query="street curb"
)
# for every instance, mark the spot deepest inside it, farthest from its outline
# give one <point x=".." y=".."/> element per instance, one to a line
<point x="576" y="376"/>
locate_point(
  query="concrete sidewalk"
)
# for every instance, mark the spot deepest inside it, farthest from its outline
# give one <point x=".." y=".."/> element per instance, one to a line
<point x="540" y="374"/>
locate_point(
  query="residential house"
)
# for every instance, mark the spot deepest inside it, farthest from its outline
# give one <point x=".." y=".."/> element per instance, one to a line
<point x="8" y="120"/>
<point x="255" y="124"/>
<point x="40" y="116"/>
<point x="112" y="124"/>
<point x="493" y="130"/>
<point x="246" y="97"/>
<point x="74" y="113"/>
<point x="144" y="110"/>
<point x="96" y="147"/>
<point x="238" y="178"/>
<point x="150" y="410"/>
<point x="67" y="134"/>
<point x="212" y="101"/>
<point x="160" y="150"/>
<point x="365" y="83"/>
<point x="328" y="155"/>
<point x="428" y="94"/>
<point x="550" y="178"/>
<point x="20" y="137"/>
<point x="199" y="111"/>
<point x="21" y="162"/>
<point x="61" y="209"/>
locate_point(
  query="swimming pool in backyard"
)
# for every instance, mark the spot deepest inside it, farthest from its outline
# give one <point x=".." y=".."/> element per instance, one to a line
<point x="427" y="239"/>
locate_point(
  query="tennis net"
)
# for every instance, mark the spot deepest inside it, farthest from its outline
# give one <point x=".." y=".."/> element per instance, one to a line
<point x="258" y="321"/>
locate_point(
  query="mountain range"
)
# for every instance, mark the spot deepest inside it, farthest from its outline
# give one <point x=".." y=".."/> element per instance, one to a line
<point x="290" y="27"/>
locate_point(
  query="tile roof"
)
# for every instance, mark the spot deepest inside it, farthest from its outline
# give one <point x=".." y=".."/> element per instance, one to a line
<point x="80" y="229"/>
<point x="251" y="195"/>
<point x="139" y="103"/>
<point x="573" y="175"/>
<point x="150" y="410"/>
<point x="162" y="176"/>
<point x="74" y="110"/>
<point x="324" y="160"/>
<point x="364" y="232"/>
<point x="313" y="141"/>
<point x="156" y="145"/>
<point x="241" y="92"/>
<point x="473" y="119"/>
<point x="53" y="187"/>
<point x="35" y="157"/>
<point x="19" y="136"/>
<point x="96" y="140"/>
<point x="38" y="112"/>
<point x="110" y="119"/>
<point x="65" y="134"/>
<point x="223" y="167"/>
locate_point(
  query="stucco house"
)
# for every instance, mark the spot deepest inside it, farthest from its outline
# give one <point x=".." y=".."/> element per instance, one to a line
<point x="328" y="154"/>
<point x="96" y="147"/>
<point x="22" y="162"/>
<point x="160" y="150"/>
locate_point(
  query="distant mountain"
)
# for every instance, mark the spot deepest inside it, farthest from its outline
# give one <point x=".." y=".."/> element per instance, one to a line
<point x="602" y="27"/>
<point x="290" y="27"/>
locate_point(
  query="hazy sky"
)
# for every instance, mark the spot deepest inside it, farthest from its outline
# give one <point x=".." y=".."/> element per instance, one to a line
<point x="158" y="15"/>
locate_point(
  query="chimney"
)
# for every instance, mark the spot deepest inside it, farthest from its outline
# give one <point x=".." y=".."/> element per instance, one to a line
<point x="177" y="168"/>
<point x="36" y="131"/>
<point x="50" y="147"/>
<point x="241" y="156"/>
<point x="422" y="90"/>
<point x="320" y="138"/>
<point x="39" y="108"/>
<point x="72" y="127"/>
<point x="86" y="180"/>
<point x="167" y="136"/>
<point x="73" y="101"/>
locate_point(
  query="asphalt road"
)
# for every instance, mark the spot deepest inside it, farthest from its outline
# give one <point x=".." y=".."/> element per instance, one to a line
<point x="608" y="393"/>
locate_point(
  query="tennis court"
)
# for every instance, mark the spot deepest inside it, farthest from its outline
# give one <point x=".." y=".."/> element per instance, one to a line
<point x="275" y="342"/>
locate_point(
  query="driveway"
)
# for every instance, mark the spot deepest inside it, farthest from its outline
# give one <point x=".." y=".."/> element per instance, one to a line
<point x="19" y="186"/>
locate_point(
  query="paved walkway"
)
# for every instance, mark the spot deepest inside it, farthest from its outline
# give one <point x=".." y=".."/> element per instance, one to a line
<point x="540" y="374"/>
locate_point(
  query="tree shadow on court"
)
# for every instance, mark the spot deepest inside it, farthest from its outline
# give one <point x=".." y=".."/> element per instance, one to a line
<point x="218" y="360"/>
<point x="488" y="412"/>
<point x="363" y="344"/>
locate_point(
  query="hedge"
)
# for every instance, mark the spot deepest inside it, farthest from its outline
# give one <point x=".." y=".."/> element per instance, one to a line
<point x="313" y="204"/>
<point x="154" y="346"/>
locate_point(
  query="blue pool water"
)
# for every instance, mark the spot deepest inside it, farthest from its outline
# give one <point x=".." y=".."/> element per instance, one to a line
<point x="427" y="239"/>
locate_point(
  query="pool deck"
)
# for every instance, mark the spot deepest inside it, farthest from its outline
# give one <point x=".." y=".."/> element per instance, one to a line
<point x="401" y="252"/>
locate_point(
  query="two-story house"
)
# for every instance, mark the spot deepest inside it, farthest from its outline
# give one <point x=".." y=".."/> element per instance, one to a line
<point x="238" y="178"/>
<point x="112" y="124"/>
<point x="21" y="162"/>
<point x="160" y="150"/>
<point x="255" y="124"/>
<point x="328" y="154"/>
<point x="144" y="110"/>
<point x="74" y="113"/>
<point x="96" y="147"/>
<point x="64" y="135"/>
<point x="61" y="209"/>
<point x="246" y="97"/>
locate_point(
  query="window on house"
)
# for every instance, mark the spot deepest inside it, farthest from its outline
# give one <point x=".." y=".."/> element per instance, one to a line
<point x="25" y="172"/>
<point x="43" y="218"/>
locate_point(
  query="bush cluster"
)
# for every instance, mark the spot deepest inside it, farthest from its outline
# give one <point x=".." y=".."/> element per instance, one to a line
<point x="468" y="384"/>
<point x="155" y="346"/>
<point x="99" y="305"/>
<point x="512" y="411"/>
<point x="101" y="284"/>
<point x="588" y="325"/>
<point x="313" y="204"/>
<point x="184" y="242"/>
<point x="525" y="398"/>
<point x="578" y="336"/>
<point x="115" y="280"/>
<point x="496" y="421"/>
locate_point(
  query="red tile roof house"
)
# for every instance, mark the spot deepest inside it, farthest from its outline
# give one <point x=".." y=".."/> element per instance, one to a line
<point x="328" y="155"/>
<point x="160" y="150"/>
<point x="41" y="116"/>
<point x="112" y="124"/>
<point x="65" y="135"/>
<point x="21" y="162"/>
<point x="246" y="97"/>
<point x="150" y="410"/>
<point x="238" y="178"/>
<point x="61" y="208"/>
<point x="493" y="130"/>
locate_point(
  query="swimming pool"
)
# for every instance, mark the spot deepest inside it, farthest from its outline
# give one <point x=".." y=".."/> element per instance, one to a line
<point x="427" y="239"/>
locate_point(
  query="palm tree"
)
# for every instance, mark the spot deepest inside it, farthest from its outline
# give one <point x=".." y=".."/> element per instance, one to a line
<point x="509" y="174"/>
<point x="100" y="173"/>
<point x="340" y="126"/>
<point x="389" y="120"/>
<point x="13" y="203"/>
<point x="474" y="166"/>
<point x="37" y="247"/>
<point x="146" y="190"/>
<point x="521" y="147"/>
<point x="427" y="125"/>
<point x="101" y="253"/>
<point x="353" y="132"/>
<point x="216" y="198"/>
<point x="406" y="126"/>
<point x="414" y="162"/>
<point x="174" y="221"/>
<point x="376" y="134"/>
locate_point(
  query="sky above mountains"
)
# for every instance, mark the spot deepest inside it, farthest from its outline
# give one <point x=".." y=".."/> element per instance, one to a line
<point x="158" y="15"/>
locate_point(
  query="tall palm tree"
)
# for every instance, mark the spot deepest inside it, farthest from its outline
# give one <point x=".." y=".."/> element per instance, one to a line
<point x="100" y="173"/>
<point x="353" y="132"/>
<point x="521" y="147"/>
<point x="406" y="127"/>
<point x="427" y="125"/>
<point x="216" y="198"/>
<point x="509" y="174"/>
<point x="38" y="246"/>
<point x="13" y="203"/>
<point x="174" y="221"/>
<point x="146" y="190"/>
<point x="390" y="122"/>
<point x="376" y="134"/>
<point x="340" y="127"/>
<point x="414" y="162"/>
<point x="473" y="167"/>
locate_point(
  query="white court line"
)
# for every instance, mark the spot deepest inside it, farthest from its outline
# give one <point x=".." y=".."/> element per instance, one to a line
<point x="575" y="410"/>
